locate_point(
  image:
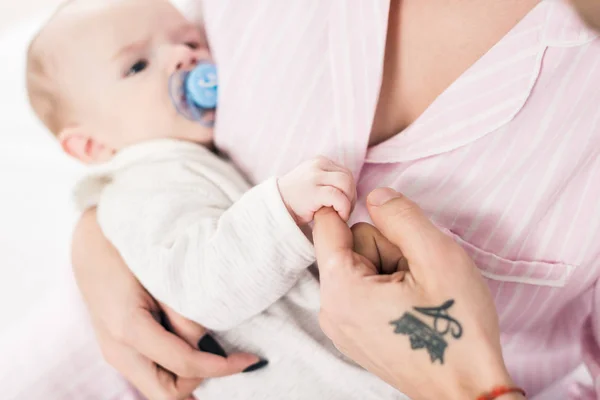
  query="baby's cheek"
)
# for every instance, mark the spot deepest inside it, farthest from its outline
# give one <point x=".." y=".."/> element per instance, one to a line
<point x="147" y="123"/>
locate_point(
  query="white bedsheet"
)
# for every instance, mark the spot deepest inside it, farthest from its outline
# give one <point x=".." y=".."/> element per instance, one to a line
<point x="36" y="215"/>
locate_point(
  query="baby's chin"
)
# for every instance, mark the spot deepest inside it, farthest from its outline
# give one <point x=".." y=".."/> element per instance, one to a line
<point x="193" y="131"/>
<point x="172" y="127"/>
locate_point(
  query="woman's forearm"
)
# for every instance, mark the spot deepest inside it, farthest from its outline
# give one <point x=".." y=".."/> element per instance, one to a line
<point x="90" y="247"/>
<point x="95" y="260"/>
<point x="123" y="313"/>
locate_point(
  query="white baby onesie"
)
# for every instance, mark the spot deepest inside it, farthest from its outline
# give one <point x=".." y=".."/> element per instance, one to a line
<point x="193" y="232"/>
<point x="229" y="257"/>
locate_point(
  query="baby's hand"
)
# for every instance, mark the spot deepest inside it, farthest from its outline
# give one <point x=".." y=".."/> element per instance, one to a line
<point x="317" y="183"/>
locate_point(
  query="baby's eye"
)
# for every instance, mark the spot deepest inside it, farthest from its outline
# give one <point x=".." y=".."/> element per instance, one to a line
<point x="136" y="68"/>
<point x="192" y="45"/>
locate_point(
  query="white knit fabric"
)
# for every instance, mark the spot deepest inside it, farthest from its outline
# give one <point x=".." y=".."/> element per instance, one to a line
<point x="193" y="233"/>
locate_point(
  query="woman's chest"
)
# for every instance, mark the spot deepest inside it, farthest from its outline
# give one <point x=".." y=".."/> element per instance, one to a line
<point x="412" y="77"/>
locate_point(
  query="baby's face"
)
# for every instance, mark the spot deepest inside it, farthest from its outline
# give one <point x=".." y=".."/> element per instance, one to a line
<point x="115" y="68"/>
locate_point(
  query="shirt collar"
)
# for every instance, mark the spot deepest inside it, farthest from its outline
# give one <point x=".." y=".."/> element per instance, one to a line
<point x="490" y="93"/>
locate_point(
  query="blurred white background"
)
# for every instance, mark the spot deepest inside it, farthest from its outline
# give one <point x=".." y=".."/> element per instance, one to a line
<point x="36" y="215"/>
<point x="14" y="11"/>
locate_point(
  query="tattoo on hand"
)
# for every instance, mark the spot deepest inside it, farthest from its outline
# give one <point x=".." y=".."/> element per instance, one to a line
<point x="430" y="337"/>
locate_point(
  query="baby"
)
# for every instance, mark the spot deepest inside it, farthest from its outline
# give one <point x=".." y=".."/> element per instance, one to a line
<point x="182" y="218"/>
<point x="196" y="235"/>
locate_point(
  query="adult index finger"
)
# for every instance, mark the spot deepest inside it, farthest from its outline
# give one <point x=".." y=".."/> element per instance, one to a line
<point x="332" y="237"/>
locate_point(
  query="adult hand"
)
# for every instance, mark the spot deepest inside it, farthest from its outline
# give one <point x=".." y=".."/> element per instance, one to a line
<point x="406" y="303"/>
<point x="129" y="324"/>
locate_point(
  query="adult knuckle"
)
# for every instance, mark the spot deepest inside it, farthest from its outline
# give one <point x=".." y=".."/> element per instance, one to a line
<point x="362" y="229"/>
<point x="337" y="269"/>
<point x="340" y="258"/>
<point x="185" y="367"/>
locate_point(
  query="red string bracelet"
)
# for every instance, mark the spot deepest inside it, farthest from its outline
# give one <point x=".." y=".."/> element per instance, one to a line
<point x="500" y="391"/>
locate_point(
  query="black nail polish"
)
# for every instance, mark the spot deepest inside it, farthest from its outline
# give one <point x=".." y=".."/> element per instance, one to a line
<point x="254" y="367"/>
<point x="210" y="345"/>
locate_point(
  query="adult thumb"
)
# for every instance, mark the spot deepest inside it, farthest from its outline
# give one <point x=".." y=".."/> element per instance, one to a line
<point x="334" y="247"/>
<point x="404" y="224"/>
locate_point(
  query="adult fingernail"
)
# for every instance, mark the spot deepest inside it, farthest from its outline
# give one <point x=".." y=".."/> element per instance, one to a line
<point x="210" y="345"/>
<point x="254" y="367"/>
<point x="379" y="197"/>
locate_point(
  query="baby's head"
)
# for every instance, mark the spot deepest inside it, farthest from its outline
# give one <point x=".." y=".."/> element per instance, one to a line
<point x="98" y="73"/>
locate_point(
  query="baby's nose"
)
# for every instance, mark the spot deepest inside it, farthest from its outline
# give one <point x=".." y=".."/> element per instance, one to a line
<point x="187" y="61"/>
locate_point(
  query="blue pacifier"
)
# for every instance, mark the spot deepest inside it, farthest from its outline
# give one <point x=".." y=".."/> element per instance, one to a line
<point x="194" y="93"/>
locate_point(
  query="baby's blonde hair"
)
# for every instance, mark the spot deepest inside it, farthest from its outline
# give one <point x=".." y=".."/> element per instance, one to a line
<point x="43" y="91"/>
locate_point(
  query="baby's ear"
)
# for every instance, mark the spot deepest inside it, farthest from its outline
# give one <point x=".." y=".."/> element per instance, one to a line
<point x="83" y="147"/>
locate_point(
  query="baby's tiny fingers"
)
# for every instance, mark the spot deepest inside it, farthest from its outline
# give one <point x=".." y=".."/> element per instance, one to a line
<point x="342" y="181"/>
<point x="331" y="166"/>
<point x="327" y="164"/>
<point x="330" y="196"/>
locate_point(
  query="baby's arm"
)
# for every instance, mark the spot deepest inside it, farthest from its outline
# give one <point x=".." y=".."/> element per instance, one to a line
<point x="217" y="263"/>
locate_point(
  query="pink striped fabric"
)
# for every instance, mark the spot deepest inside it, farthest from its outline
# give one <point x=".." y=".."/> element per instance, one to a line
<point x="506" y="160"/>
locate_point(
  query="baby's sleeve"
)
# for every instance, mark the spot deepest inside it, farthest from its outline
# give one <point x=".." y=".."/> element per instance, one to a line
<point x="215" y="263"/>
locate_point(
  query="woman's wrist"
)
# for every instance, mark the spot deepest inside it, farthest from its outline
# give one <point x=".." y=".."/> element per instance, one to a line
<point x="492" y="388"/>
<point x="486" y="375"/>
<point x="511" y="396"/>
<point x="503" y="388"/>
<point x="505" y="396"/>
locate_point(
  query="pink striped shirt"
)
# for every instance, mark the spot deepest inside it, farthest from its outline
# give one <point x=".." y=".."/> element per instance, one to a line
<point x="506" y="160"/>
